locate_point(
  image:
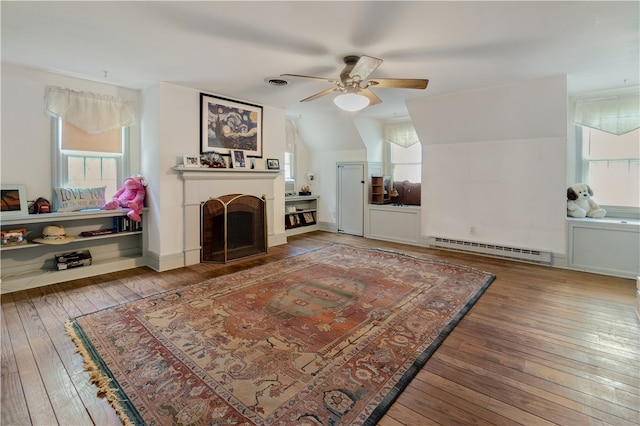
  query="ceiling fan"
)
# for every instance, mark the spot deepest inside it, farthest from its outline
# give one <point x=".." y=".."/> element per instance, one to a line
<point x="354" y="86"/>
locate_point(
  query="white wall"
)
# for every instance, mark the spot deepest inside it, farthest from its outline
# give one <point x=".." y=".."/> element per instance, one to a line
<point x="331" y="137"/>
<point x="178" y="132"/>
<point x="371" y="131"/>
<point x="333" y="130"/>
<point x="26" y="144"/>
<point x="150" y="113"/>
<point x="496" y="159"/>
<point x="168" y="127"/>
<point x="326" y="184"/>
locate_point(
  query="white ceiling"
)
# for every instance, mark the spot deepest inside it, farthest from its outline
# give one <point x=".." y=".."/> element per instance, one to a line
<point x="229" y="48"/>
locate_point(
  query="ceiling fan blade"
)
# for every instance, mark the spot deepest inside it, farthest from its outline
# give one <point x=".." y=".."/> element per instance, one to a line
<point x="330" y="80"/>
<point x="319" y="95"/>
<point x="373" y="99"/>
<point x="365" y="66"/>
<point x="398" y="83"/>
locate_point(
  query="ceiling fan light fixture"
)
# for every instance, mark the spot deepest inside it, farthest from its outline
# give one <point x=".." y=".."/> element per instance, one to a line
<point x="351" y="102"/>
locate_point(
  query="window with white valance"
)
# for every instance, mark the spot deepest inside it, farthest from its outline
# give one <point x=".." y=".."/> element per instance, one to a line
<point x="400" y="132"/>
<point x="614" y="114"/>
<point x="92" y="112"/>
<point x="91" y="130"/>
<point x="607" y="149"/>
<point x="403" y="153"/>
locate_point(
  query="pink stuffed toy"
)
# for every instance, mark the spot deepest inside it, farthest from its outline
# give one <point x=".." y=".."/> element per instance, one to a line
<point x="131" y="195"/>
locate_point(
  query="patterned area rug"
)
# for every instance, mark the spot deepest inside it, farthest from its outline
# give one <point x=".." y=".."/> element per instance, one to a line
<point x="329" y="337"/>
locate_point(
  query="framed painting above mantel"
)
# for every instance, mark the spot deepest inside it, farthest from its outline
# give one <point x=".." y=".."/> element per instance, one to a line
<point x="227" y="125"/>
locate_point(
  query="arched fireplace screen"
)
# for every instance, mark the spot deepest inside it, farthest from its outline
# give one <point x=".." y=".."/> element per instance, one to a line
<point x="232" y="227"/>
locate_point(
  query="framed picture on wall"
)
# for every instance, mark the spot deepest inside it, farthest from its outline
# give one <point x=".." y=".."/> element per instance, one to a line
<point x="14" y="200"/>
<point x="227" y="125"/>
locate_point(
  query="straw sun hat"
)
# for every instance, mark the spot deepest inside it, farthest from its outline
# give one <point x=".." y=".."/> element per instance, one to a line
<point x="54" y="234"/>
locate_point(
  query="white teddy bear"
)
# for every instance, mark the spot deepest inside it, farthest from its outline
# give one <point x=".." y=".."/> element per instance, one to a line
<point x="580" y="203"/>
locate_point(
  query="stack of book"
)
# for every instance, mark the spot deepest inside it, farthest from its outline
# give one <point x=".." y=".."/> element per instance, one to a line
<point x="125" y="224"/>
<point x="73" y="260"/>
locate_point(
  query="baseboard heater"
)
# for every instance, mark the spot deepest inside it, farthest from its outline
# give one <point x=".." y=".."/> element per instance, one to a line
<point x="515" y="253"/>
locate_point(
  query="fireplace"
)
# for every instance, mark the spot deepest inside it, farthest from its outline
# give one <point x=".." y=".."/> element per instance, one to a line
<point x="200" y="184"/>
<point x="232" y="227"/>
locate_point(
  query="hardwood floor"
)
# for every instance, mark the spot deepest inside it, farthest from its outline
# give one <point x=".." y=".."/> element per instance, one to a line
<point x="541" y="346"/>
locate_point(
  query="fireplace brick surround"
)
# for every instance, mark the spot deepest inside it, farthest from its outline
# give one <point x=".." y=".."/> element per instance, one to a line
<point x="233" y="227"/>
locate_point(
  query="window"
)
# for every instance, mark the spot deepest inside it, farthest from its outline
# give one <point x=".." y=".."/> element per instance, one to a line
<point x="90" y="136"/>
<point x="292" y="138"/>
<point x="82" y="168"/>
<point x="289" y="166"/>
<point x="406" y="163"/>
<point x="611" y="167"/>
<point x="607" y="149"/>
<point x="404" y="150"/>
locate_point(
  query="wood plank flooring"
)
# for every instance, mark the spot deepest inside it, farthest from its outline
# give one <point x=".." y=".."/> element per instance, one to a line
<point x="542" y="346"/>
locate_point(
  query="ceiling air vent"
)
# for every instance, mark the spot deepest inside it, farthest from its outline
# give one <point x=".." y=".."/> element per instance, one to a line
<point x="276" y="81"/>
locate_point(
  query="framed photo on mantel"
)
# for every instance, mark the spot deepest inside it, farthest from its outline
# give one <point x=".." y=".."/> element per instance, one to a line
<point x="238" y="160"/>
<point x="191" y="161"/>
<point x="273" y="164"/>
<point x="227" y="125"/>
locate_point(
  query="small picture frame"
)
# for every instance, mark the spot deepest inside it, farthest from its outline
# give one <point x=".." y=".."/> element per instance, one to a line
<point x="273" y="164"/>
<point x="14" y="200"/>
<point x="191" y="160"/>
<point x="308" y="218"/>
<point x="238" y="159"/>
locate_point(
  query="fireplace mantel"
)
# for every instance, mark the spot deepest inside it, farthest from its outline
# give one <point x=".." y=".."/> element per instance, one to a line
<point x="204" y="173"/>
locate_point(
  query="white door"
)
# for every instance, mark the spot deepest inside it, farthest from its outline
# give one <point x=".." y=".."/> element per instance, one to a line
<point x="350" y="204"/>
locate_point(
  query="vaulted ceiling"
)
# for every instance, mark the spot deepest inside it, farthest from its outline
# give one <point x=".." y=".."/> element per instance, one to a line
<point x="230" y="48"/>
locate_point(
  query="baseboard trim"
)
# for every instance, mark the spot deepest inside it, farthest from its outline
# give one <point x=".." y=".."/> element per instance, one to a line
<point x="166" y="262"/>
<point x="328" y="227"/>
<point x="277" y="239"/>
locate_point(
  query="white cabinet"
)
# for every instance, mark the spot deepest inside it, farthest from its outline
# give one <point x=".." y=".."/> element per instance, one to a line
<point x="33" y="264"/>
<point x="300" y="214"/>
<point x="400" y="224"/>
<point x="606" y="246"/>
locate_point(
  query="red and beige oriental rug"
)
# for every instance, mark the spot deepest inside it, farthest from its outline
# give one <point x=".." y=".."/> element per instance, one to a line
<point x="330" y="337"/>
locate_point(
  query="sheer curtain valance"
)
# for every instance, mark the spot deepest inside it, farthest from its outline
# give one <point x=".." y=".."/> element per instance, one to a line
<point x="400" y="133"/>
<point x="291" y="135"/>
<point x="615" y="114"/>
<point x="92" y="112"/>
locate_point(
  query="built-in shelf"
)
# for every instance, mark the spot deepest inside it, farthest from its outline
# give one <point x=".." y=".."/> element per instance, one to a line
<point x="45" y="276"/>
<point x="32" y="264"/>
<point x="304" y="218"/>
<point x="379" y="190"/>
<point x="78" y="240"/>
<point x="60" y="216"/>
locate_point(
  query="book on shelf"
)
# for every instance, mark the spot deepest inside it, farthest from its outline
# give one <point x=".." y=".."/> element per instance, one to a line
<point x="98" y="232"/>
<point x="126" y="224"/>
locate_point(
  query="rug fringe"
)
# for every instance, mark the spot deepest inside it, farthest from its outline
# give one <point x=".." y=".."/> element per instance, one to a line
<point x="96" y="376"/>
